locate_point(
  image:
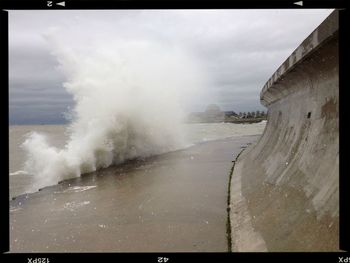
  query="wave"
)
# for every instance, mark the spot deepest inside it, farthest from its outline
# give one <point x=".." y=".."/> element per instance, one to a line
<point x="127" y="104"/>
<point x="19" y="172"/>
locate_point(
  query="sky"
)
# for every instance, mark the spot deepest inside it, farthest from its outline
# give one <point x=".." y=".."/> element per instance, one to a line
<point x="238" y="50"/>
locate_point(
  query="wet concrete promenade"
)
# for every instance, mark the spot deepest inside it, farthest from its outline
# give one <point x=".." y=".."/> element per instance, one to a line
<point x="174" y="202"/>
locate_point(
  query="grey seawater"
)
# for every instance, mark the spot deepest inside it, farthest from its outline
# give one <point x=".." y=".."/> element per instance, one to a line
<point x="57" y="136"/>
<point x="173" y="202"/>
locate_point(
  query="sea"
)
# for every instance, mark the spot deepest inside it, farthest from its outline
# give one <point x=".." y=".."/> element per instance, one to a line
<point x="195" y="133"/>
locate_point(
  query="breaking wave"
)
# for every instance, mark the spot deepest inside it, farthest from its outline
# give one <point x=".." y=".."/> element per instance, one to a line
<point x="128" y="97"/>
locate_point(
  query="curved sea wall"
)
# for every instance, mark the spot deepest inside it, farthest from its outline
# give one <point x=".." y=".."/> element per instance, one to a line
<point x="285" y="188"/>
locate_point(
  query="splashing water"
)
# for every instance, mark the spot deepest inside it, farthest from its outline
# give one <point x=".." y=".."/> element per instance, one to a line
<point x="128" y="103"/>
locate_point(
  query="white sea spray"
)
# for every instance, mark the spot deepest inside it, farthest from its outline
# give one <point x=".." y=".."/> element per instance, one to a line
<point x="128" y="96"/>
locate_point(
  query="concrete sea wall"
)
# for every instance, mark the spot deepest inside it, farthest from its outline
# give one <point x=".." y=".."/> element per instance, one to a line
<point x="284" y="189"/>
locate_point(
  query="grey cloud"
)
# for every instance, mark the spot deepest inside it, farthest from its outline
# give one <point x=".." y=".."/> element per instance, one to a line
<point x="33" y="64"/>
<point x="239" y="49"/>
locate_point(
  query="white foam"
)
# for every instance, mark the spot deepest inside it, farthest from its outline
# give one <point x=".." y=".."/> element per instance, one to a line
<point x="76" y="189"/>
<point x="71" y="206"/>
<point x="127" y="95"/>
<point x="15" y="209"/>
<point x="19" y="172"/>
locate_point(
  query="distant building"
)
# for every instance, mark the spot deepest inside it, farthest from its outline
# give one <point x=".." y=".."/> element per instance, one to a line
<point x="213" y="113"/>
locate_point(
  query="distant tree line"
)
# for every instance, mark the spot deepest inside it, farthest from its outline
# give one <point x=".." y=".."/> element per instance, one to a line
<point x="252" y="114"/>
<point x="214" y="114"/>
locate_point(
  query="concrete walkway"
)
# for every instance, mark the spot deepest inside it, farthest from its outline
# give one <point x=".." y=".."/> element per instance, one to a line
<point x="173" y="202"/>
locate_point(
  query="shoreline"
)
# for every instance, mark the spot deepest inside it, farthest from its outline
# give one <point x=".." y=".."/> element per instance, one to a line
<point x="128" y="162"/>
<point x="173" y="202"/>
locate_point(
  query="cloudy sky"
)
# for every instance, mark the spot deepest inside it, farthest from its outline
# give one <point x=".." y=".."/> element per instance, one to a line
<point x="238" y="49"/>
